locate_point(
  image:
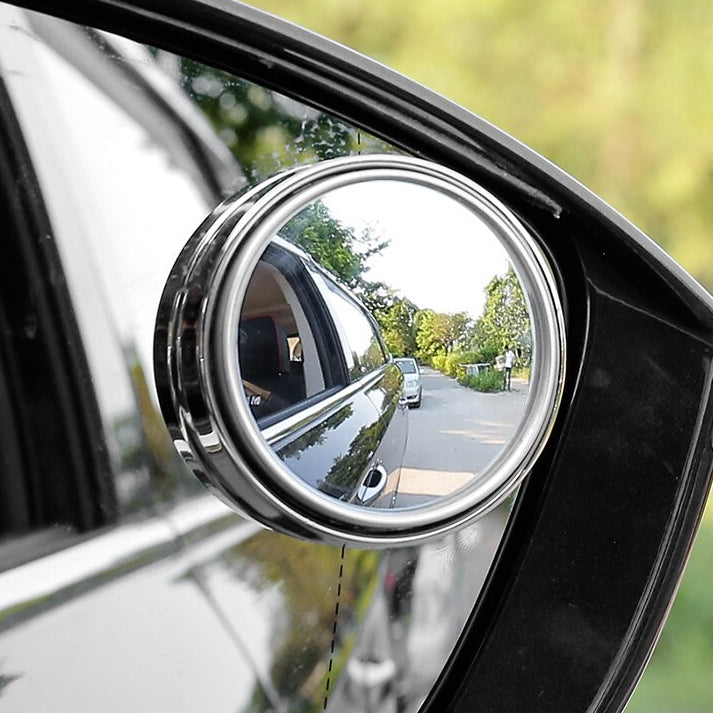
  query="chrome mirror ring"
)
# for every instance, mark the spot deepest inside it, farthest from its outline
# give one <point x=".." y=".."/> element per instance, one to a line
<point x="228" y="451"/>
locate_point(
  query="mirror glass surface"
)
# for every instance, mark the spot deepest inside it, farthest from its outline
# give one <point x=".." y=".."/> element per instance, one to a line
<point x="377" y="298"/>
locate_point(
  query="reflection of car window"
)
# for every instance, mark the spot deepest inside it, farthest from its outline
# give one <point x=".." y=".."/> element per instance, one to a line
<point x="270" y="384"/>
<point x="365" y="351"/>
<point x="104" y="176"/>
<point x="280" y="362"/>
<point x="406" y="366"/>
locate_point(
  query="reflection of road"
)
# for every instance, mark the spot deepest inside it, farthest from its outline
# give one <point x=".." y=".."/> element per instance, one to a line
<point x="456" y="433"/>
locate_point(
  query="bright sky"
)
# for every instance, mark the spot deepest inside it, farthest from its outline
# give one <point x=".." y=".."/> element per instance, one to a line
<point x="440" y="254"/>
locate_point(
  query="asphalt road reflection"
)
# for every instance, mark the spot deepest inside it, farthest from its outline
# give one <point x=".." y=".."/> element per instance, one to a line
<point x="455" y="434"/>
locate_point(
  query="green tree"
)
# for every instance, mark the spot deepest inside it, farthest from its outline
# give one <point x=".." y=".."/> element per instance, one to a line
<point x="398" y="327"/>
<point x="336" y="247"/>
<point x="459" y="325"/>
<point x="506" y="318"/>
<point x="347" y="469"/>
<point x="438" y="332"/>
<point x="376" y="296"/>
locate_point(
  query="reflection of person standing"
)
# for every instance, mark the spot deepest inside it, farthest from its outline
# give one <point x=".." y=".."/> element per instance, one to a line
<point x="509" y="361"/>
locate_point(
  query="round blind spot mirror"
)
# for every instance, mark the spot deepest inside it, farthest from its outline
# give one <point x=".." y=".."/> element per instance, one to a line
<point x="367" y="350"/>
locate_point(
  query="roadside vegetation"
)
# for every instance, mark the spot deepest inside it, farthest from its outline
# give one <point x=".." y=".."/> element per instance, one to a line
<point x="451" y="342"/>
<point x="487" y="381"/>
<point x="447" y="341"/>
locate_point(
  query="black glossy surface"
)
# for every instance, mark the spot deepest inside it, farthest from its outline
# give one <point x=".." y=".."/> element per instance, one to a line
<point x="334" y="453"/>
<point x="44" y="358"/>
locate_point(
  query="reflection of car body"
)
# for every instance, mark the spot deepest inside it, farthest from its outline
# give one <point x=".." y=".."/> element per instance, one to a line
<point x="413" y="388"/>
<point x="331" y="404"/>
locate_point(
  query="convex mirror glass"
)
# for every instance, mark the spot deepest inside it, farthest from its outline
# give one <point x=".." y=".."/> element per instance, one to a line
<point x="369" y="349"/>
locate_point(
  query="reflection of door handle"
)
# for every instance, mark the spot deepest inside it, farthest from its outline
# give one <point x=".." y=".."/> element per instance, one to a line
<point x="373" y="484"/>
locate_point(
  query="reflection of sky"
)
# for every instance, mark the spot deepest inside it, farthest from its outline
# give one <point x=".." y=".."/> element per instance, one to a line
<point x="440" y="254"/>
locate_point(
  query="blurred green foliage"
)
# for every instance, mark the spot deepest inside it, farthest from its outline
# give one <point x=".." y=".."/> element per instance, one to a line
<point x="678" y="678"/>
<point x="613" y="92"/>
<point x="616" y="93"/>
<point x="265" y="132"/>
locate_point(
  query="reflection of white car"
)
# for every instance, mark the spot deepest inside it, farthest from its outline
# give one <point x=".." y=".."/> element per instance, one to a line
<point x="412" y="380"/>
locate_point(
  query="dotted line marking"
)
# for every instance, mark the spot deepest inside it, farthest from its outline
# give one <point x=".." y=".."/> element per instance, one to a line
<point x="339" y="578"/>
<point x="334" y="628"/>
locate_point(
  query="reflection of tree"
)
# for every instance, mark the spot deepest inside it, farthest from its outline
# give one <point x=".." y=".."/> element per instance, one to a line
<point x="391" y="385"/>
<point x="373" y="358"/>
<point x="170" y="478"/>
<point x="449" y="341"/>
<point x="398" y="326"/>
<point x="260" y="130"/>
<point x="347" y="469"/>
<point x="439" y="333"/>
<point x="336" y="247"/>
<point x="506" y="318"/>
<point x="302" y="628"/>
<point x="265" y="131"/>
<point x="316" y="435"/>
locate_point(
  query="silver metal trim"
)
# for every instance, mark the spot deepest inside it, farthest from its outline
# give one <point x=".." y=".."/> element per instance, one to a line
<point x="367" y="493"/>
<point x="298" y="421"/>
<point x="230" y="452"/>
